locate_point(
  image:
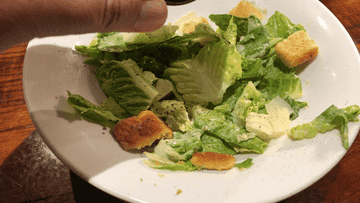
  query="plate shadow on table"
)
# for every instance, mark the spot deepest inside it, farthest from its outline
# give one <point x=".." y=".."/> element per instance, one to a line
<point x="32" y="173"/>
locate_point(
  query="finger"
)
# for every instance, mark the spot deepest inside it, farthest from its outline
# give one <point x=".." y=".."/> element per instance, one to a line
<point x="79" y="16"/>
<point x="40" y="18"/>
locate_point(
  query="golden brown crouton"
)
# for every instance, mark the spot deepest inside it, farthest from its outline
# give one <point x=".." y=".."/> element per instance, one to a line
<point x="188" y="22"/>
<point x="245" y="9"/>
<point x="296" y="49"/>
<point x="213" y="160"/>
<point x="190" y="27"/>
<point x="139" y="131"/>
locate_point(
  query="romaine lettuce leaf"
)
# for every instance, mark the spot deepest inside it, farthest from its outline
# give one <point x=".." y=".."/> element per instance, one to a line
<point x="251" y="145"/>
<point x="90" y="51"/>
<point x="279" y="25"/>
<point x="176" y="48"/>
<point x="205" y="78"/>
<point x="231" y="32"/>
<point x="257" y="43"/>
<point x="279" y="83"/>
<point x="111" y="41"/>
<point x="150" y="63"/>
<point x="215" y="123"/>
<point x="175" y="114"/>
<point x="157" y="158"/>
<point x="124" y="82"/>
<point x="152" y="50"/>
<point x="167" y="152"/>
<point x="250" y="100"/>
<point x="107" y="114"/>
<point x="296" y="106"/>
<point x="253" y="69"/>
<point x="243" y="25"/>
<point x="245" y="164"/>
<point x="330" y="119"/>
<point x="231" y="96"/>
<point x="165" y="88"/>
<point x="157" y="56"/>
<point x="181" y="146"/>
<point x="212" y="143"/>
<point x="158" y="162"/>
<point x="179" y="166"/>
<point x="118" y="42"/>
<point x="197" y="110"/>
<point x="111" y="105"/>
<point x="204" y="28"/>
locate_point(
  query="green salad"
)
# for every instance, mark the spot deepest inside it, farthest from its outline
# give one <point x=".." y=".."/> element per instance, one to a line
<point x="220" y="90"/>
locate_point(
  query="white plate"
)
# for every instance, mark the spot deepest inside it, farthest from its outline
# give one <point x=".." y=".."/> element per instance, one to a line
<point x="287" y="167"/>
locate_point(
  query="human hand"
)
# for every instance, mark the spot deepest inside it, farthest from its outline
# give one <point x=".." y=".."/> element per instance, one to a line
<point x="23" y="20"/>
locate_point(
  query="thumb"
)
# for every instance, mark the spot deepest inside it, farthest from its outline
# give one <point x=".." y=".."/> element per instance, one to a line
<point x="25" y="20"/>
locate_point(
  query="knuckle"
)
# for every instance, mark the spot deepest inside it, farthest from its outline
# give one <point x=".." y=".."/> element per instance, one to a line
<point x="116" y="15"/>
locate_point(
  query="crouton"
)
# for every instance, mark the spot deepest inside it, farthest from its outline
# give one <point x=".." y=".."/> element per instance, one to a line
<point x="139" y="131"/>
<point x="296" y="49"/>
<point x="245" y="9"/>
<point x="188" y="22"/>
<point x="213" y="160"/>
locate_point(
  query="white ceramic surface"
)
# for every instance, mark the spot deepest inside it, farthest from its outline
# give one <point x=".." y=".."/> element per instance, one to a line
<point x="287" y="167"/>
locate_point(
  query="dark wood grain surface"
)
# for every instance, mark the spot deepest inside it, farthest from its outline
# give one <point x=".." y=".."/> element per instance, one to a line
<point x="30" y="172"/>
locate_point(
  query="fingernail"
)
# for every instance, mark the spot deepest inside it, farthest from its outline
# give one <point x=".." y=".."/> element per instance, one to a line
<point x="152" y="16"/>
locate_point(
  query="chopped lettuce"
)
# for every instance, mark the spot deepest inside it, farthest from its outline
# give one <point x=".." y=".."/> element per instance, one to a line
<point x="295" y="106"/>
<point x="231" y="32"/>
<point x="179" y="166"/>
<point x="251" y="100"/>
<point x="118" y="42"/>
<point x="216" y="123"/>
<point x="245" y="164"/>
<point x="151" y="55"/>
<point x="204" y="28"/>
<point x="165" y="87"/>
<point x="230" y="98"/>
<point x="273" y="79"/>
<point x="211" y="143"/>
<point x="158" y="162"/>
<point x="181" y="146"/>
<point x="175" y="114"/>
<point x="124" y="82"/>
<point x="252" y="145"/>
<point x="257" y="43"/>
<point x="279" y="25"/>
<point x="197" y="110"/>
<point x="330" y="119"/>
<point x="157" y="158"/>
<point x="279" y="83"/>
<point x="107" y="114"/>
<point x="157" y="56"/>
<point x="243" y="25"/>
<point x="205" y="78"/>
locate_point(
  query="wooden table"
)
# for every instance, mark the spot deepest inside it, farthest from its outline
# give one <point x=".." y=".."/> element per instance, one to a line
<point x="30" y="172"/>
